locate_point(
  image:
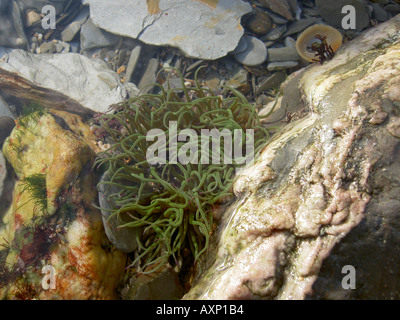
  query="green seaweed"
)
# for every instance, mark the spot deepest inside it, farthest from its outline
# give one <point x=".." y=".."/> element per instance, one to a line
<point x="35" y="184"/>
<point x="171" y="203"/>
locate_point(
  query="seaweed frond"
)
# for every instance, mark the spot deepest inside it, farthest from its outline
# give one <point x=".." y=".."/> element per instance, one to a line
<point x="30" y="113"/>
<point x="36" y="185"/>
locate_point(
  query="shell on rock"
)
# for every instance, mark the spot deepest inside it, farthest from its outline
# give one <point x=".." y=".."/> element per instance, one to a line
<point x="308" y="37"/>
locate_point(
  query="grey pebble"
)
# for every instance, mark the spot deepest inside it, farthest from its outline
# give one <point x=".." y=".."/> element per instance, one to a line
<point x="124" y="239"/>
<point x="289" y="42"/>
<point x="393" y="8"/>
<point x="282" y="54"/>
<point x="255" y="54"/>
<point x="276" y="66"/>
<point x="75" y="46"/>
<point x="149" y="76"/>
<point x="62" y="47"/>
<point x="379" y="13"/>
<point x="275" y="34"/>
<point x="329" y="9"/>
<point x="7" y="124"/>
<point x="271" y="82"/>
<point x="94" y="37"/>
<point x="47" y="47"/>
<point x="133" y="60"/>
<point x="241" y="47"/>
<point x="281" y="7"/>
<point x="299" y="25"/>
<point x="70" y="31"/>
<point x="276" y="18"/>
<point x="312" y="12"/>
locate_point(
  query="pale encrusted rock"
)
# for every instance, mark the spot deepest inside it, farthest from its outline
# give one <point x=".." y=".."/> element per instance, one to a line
<point x="329" y="173"/>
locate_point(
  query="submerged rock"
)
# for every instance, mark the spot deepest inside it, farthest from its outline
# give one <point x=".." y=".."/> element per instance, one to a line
<point x="163" y="284"/>
<point x="331" y="12"/>
<point x="203" y="29"/>
<point x="325" y="188"/>
<point x="6" y="126"/>
<point x="254" y="54"/>
<point x="62" y="81"/>
<point x="52" y="222"/>
<point x="3" y="174"/>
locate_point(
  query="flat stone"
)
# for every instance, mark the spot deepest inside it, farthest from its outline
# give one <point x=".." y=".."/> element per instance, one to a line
<point x="241" y="47"/>
<point x="280" y="7"/>
<point x="5" y="109"/>
<point x="299" y="25"/>
<point x="133" y="60"/>
<point x="276" y="66"/>
<point x="32" y="17"/>
<point x="393" y="8"/>
<point x="132" y="89"/>
<point x="87" y="83"/>
<point x="149" y="76"/>
<point x="331" y="12"/>
<point x="275" y="34"/>
<point x="75" y="46"/>
<point x="289" y="42"/>
<point x="62" y="47"/>
<point x="7" y="124"/>
<point x="202" y="29"/>
<point x="255" y="54"/>
<point x="93" y="37"/>
<point x="123" y="239"/>
<point x="271" y="82"/>
<point x="59" y="5"/>
<point x="379" y="13"/>
<point x="276" y="18"/>
<point x="313" y="12"/>
<point x="282" y="54"/>
<point x="47" y="47"/>
<point x="11" y="27"/>
<point x="238" y="79"/>
<point x="70" y="31"/>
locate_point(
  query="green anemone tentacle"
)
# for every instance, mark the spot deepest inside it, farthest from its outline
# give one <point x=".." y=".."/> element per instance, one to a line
<point x="169" y="201"/>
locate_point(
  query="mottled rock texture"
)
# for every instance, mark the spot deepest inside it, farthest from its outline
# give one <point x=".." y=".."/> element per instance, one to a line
<point x="324" y="192"/>
<point x="52" y="220"/>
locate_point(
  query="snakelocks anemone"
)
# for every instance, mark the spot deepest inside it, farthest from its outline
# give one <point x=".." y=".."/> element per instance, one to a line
<point x="170" y="196"/>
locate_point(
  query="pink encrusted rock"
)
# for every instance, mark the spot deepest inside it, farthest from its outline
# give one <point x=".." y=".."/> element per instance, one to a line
<point x="324" y="192"/>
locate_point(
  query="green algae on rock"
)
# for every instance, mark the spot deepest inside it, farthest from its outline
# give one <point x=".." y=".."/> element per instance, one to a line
<point x="52" y="221"/>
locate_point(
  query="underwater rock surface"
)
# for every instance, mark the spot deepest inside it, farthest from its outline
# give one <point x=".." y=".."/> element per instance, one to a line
<point x="204" y="29"/>
<point x="52" y="220"/>
<point x="325" y="188"/>
<point x="63" y="79"/>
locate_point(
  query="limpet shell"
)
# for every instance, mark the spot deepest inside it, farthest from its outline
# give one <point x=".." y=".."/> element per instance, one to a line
<point x="307" y="38"/>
